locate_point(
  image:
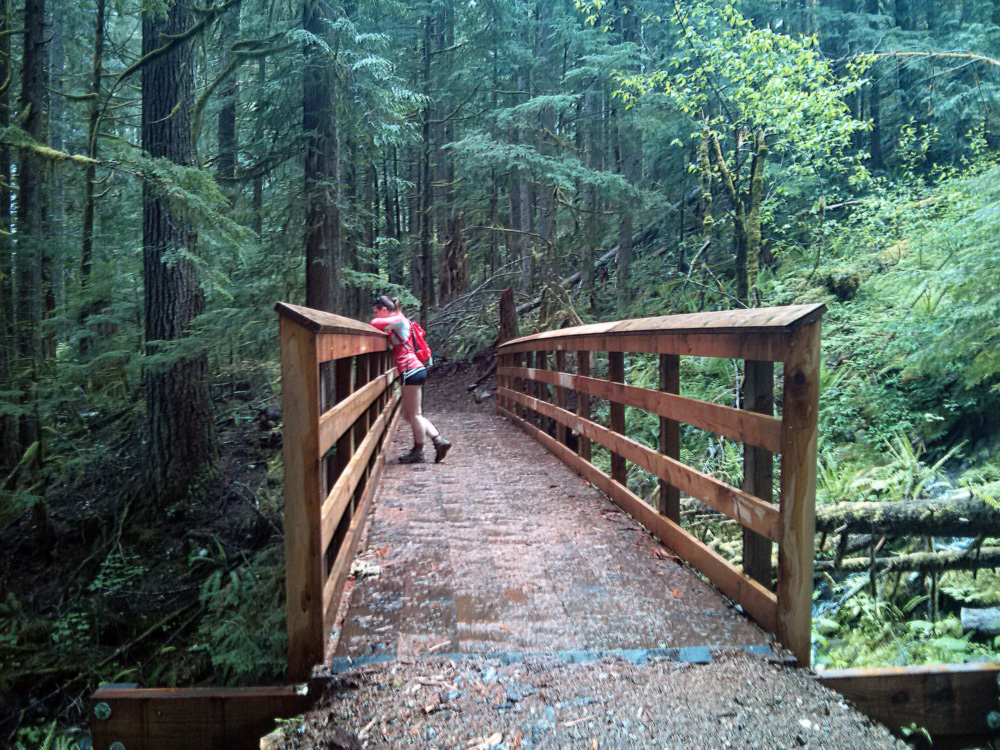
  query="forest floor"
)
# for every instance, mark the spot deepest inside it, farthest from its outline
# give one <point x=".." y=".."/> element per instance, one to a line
<point x="118" y="597"/>
<point x="505" y="560"/>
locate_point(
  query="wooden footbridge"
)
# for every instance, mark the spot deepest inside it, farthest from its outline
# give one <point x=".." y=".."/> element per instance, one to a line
<point x="502" y="551"/>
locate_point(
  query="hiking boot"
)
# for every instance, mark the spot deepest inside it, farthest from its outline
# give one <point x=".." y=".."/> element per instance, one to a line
<point x="415" y="456"/>
<point x="441" y="448"/>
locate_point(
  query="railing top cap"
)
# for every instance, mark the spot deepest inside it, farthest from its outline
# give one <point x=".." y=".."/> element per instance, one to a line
<point x="318" y="321"/>
<point x="758" y="320"/>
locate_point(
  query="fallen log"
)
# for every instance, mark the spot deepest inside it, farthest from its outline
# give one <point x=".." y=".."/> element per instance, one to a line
<point x="919" y="562"/>
<point x="960" y="514"/>
<point x="983" y="620"/>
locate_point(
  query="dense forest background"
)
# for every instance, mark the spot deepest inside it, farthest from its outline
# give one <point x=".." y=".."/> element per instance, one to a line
<point x="169" y="170"/>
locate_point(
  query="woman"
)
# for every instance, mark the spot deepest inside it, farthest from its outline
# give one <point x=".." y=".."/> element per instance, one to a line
<point x="389" y="318"/>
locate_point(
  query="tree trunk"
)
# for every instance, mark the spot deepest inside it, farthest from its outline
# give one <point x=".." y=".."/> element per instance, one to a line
<point x="93" y="121"/>
<point x="324" y="285"/>
<point x="9" y="446"/>
<point x="34" y="106"/>
<point x="454" y="267"/>
<point x="514" y="238"/>
<point x="630" y="152"/>
<point x="753" y="227"/>
<point x="183" y="445"/>
<point x="739" y="221"/>
<point x="427" y="199"/>
<point x="591" y="145"/>
<point x="228" y="138"/>
<point x="545" y="194"/>
<point x="257" y="223"/>
<point x="393" y="259"/>
<point x="508" y="316"/>
<point x="444" y="168"/>
<point x="52" y="265"/>
<point x="493" y="248"/>
<point x="874" y="108"/>
<point x="414" y="200"/>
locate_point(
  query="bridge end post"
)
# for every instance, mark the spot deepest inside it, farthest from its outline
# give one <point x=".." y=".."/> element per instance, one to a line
<point x="300" y="404"/>
<point x="798" y="491"/>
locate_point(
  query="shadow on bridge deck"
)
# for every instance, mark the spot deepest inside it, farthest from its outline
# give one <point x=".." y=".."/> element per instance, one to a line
<point x="502" y="549"/>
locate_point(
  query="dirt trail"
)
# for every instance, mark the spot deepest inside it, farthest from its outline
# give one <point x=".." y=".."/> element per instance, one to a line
<point x="565" y="623"/>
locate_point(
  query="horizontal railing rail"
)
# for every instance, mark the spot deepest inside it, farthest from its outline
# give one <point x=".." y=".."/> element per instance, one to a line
<point x="339" y="411"/>
<point x="531" y="365"/>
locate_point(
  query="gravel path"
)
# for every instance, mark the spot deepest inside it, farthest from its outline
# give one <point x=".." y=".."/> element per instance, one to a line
<point x="737" y="701"/>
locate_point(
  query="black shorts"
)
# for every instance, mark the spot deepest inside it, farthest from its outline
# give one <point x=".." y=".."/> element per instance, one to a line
<point x="417" y="377"/>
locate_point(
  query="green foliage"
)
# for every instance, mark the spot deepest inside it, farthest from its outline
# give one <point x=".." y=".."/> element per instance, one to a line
<point x="869" y="632"/>
<point x="43" y="738"/>
<point x="243" y="631"/>
<point x="728" y="74"/>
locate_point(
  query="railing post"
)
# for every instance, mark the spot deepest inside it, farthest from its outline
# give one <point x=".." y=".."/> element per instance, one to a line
<point x="527" y="386"/>
<point x="560" y="395"/>
<point x="303" y="498"/>
<point x="758" y="471"/>
<point x="583" y="402"/>
<point x="344" y="370"/>
<point x="616" y="374"/>
<point x="363" y="374"/>
<point x="542" y="389"/>
<point x="800" y="409"/>
<point x="670" y="436"/>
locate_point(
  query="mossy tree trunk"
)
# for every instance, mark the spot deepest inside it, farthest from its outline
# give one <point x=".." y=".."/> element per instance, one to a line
<point x="183" y="445"/>
<point x="746" y="215"/>
<point x="9" y="444"/>
<point x="32" y="171"/>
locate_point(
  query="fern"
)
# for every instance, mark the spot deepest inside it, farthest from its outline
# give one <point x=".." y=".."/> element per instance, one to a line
<point x="244" y="627"/>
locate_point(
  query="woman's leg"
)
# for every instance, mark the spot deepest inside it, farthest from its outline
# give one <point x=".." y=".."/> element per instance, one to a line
<point x="429" y="430"/>
<point x="411" y="413"/>
<point x="441" y="446"/>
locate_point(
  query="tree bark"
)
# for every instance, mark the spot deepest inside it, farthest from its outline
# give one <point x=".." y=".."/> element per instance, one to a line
<point x="629" y="147"/>
<point x="257" y="223"/>
<point x="454" y="266"/>
<point x="9" y="445"/>
<point x="183" y="444"/>
<point x="34" y="106"/>
<point x="546" y="142"/>
<point x="52" y="273"/>
<point x="228" y="137"/>
<point x="508" y="316"/>
<point x="324" y="284"/>
<point x="753" y="223"/>
<point x="739" y="221"/>
<point x="427" y="191"/>
<point x="591" y="144"/>
<point x="93" y="122"/>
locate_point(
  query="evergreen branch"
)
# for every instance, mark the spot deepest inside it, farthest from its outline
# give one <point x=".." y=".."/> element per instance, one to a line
<point x="173" y="41"/>
<point x="71" y="97"/>
<point x="16" y="137"/>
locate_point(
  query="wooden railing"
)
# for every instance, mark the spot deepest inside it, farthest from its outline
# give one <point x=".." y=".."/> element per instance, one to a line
<point x="339" y="411"/>
<point x="761" y="337"/>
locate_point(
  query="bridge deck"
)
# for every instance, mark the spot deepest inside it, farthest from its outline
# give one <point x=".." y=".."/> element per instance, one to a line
<point x="503" y="548"/>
